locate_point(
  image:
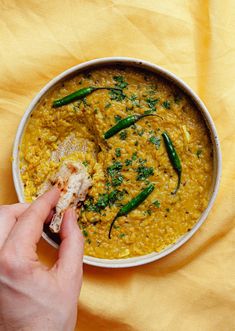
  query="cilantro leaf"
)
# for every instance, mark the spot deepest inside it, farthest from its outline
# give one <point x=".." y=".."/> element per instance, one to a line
<point x="155" y="141"/>
<point x="144" y="172"/>
<point x="120" y="82"/>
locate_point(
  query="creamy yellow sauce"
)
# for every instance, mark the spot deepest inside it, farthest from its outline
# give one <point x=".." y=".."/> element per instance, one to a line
<point x="162" y="218"/>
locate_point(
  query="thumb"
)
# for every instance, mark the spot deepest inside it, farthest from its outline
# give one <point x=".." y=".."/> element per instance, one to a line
<point x="69" y="264"/>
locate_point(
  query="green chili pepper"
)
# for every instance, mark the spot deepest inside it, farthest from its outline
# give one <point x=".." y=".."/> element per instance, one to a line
<point x="124" y="123"/>
<point x="80" y="94"/>
<point x="174" y="158"/>
<point x="132" y="204"/>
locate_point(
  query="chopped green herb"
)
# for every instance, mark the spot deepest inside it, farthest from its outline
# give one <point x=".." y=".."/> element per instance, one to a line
<point x="116" y="195"/>
<point x="117" y="95"/>
<point x="152" y="103"/>
<point x="116" y="226"/>
<point x="140" y="132"/>
<point x="166" y="104"/>
<point x="95" y="110"/>
<point x="128" y="162"/>
<point x="107" y="105"/>
<point x="141" y="161"/>
<point x="149" y="111"/>
<point x="85" y="163"/>
<point x="123" y="135"/>
<point x="113" y="169"/>
<point x="144" y="172"/>
<point x="134" y="156"/>
<point x="133" y="99"/>
<point x="90" y="206"/>
<point x="116" y="181"/>
<point x="121" y="235"/>
<point x="120" y="82"/>
<point x="156" y="141"/>
<point x="136" y="143"/>
<point x="114" y="173"/>
<point x="118" y="152"/>
<point x="156" y="203"/>
<point x="199" y="152"/>
<point x="103" y="201"/>
<point x="85" y="233"/>
<point x="149" y="212"/>
<point x="88" y="240"/>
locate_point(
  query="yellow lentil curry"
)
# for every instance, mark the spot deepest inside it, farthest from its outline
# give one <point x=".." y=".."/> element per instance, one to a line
<point x="125" y="164"/>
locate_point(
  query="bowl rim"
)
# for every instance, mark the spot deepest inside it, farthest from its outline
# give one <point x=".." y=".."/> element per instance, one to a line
<point x="168" y="75"/>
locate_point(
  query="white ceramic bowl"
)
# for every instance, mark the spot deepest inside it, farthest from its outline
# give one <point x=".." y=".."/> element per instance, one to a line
<point x="135" y="261"/>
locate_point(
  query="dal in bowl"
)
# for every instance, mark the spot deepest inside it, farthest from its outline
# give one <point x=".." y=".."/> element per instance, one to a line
<point x="124" y="165"/>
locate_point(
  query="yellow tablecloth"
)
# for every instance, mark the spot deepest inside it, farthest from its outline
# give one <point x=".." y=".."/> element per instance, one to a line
<point x="194" y="288"/>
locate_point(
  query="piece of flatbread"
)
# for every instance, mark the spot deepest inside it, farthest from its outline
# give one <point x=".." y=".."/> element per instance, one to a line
<point x="71" y="178"/>
<point x="73" y="181"/>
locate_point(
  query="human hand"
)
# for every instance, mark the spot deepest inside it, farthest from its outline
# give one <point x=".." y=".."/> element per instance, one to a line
<point x="32" y="296"/>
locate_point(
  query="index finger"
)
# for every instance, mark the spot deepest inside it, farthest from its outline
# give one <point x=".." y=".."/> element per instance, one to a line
<point x="29" y="226"/>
